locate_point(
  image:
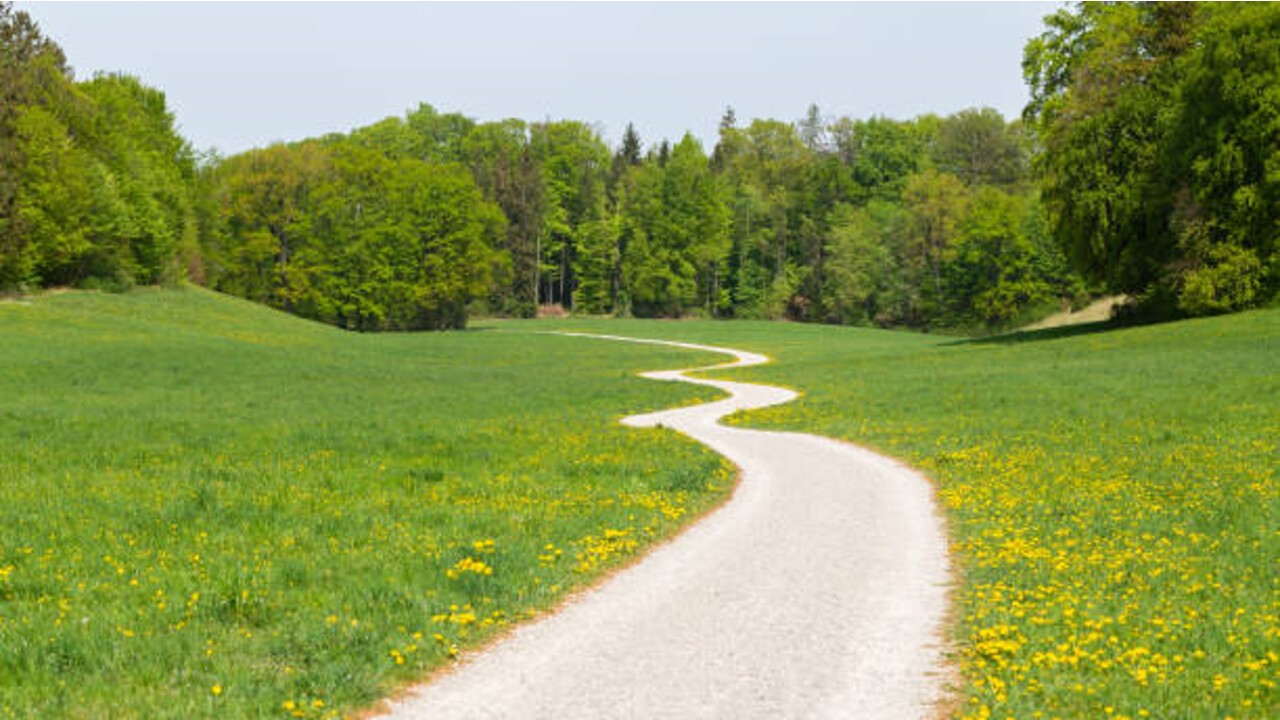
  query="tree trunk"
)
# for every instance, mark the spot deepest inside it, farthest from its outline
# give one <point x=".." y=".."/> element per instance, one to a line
<point x="537" y="271"/>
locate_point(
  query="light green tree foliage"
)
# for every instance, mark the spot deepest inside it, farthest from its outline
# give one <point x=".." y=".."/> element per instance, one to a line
<point x="852" y="221"/>
<point x="442" y="255"/>
<point x="992" y="269"/>
<point x="53" y="200"/>
<point x="574" y="162"/>
<point x="423" y="134"/>
<point x="266" y="199"/>
<point x="678" y="225"/>
<point x="603" y="239"/>
<point x="408" y="221"/>
<point x="153" y="171"/>
<point x="699" y="221"/>
<point x="842" y="222"/>
<point x="106" y="187"/>
<point x="390" y="136"/>
<point x="656" y="279"/>
<point x="1155" y="127"/>
<point x="441" y="136"/>
<point x="1100" y="78"/>
<point x="882" y="153"/>
<point x="859" y="263"/>
<point x="628" y="156"/>
<point x="766" y="166"/>
<point x="598" y="263"/>
<point x="30" y="64"/>
<point x="780" y="181"/>
<point x="347" y="234"/>
<point x="95" y="185"/>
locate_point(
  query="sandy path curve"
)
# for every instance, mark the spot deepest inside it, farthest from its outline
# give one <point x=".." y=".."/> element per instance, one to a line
<point x="817" y="591"/>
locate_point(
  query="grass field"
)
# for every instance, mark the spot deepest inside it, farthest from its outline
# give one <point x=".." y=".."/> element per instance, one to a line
<point x="211" y="509"/>
<point x="1112" y="498"/>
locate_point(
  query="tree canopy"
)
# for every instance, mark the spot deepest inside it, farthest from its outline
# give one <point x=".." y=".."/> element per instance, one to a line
<point x="1161" y="140"/>
<point x="96" y="186"/>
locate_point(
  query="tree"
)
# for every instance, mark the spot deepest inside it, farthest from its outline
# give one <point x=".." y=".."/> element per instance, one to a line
<point x="858" y="266"/>
<point x="935" y="204"/>
<point x="504" y="167"/>
<point x="153" y="170"/>
<point x="728" y="131"/>
<point x="1159" y="131"/>
<point x="31" y="67"/>
<point x="678" y="224"/>
<point x="1222" y="162"/>
<point x="342" y="233"/>
<point x="979" y="148"/>
<point x="267" y="195"/>
<point x="991" y="268"/>
<point x="704" y="215"/>
<point x="629" y="152"/>
<point x="574" y="161"/>
<point x="440" y="137"/>
<point x="880" y="153"/>
<point x="390" y="136"/>
<point x="445" y="256"/>
<point x="53" y="203"/>
<point x="598" y="265"/>
<point x="813" y="130"/>
<point x="662" y="154"/>
<point x="1102" y="78"/>
<point x="776" y="162"/>
<point x="95" y="184"/>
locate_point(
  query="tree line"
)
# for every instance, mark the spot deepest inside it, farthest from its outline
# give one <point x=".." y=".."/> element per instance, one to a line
<point x="404" y="223"/>
<point x="96" y="188"/>
<point x="1143" y="165"/>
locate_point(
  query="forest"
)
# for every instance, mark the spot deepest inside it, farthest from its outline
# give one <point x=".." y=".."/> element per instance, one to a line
<point x="1146" y="164"/>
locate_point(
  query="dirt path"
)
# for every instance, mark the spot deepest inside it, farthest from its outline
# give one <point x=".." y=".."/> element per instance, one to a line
<point x="817" y="591"/>
<point x="1097" y="311"/>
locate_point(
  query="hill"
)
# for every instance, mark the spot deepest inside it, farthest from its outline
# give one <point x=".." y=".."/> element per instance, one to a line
<point x="211" y="509"/>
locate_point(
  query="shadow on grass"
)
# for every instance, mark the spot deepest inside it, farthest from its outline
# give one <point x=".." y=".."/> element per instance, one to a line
<point x="1054" y="333"/>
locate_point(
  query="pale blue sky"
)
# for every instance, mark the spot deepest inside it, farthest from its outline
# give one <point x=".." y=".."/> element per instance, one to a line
<point x="239" y="75"/>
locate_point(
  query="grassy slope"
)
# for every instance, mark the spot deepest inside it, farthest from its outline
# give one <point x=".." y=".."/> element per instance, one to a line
<point x="211" y="509"/>
<point x="1112" y="496"/>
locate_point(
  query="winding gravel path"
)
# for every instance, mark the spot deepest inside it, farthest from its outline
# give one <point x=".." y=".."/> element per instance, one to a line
<point x="817" y="591"/>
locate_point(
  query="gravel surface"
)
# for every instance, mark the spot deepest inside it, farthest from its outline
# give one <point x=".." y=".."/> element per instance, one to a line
<point x="817" y="591"/>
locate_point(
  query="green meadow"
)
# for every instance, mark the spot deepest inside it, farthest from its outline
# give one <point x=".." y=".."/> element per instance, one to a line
<point x="208" y="508"/>
<point x="211" y="509"/>
<point x="1111" y="495"/>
